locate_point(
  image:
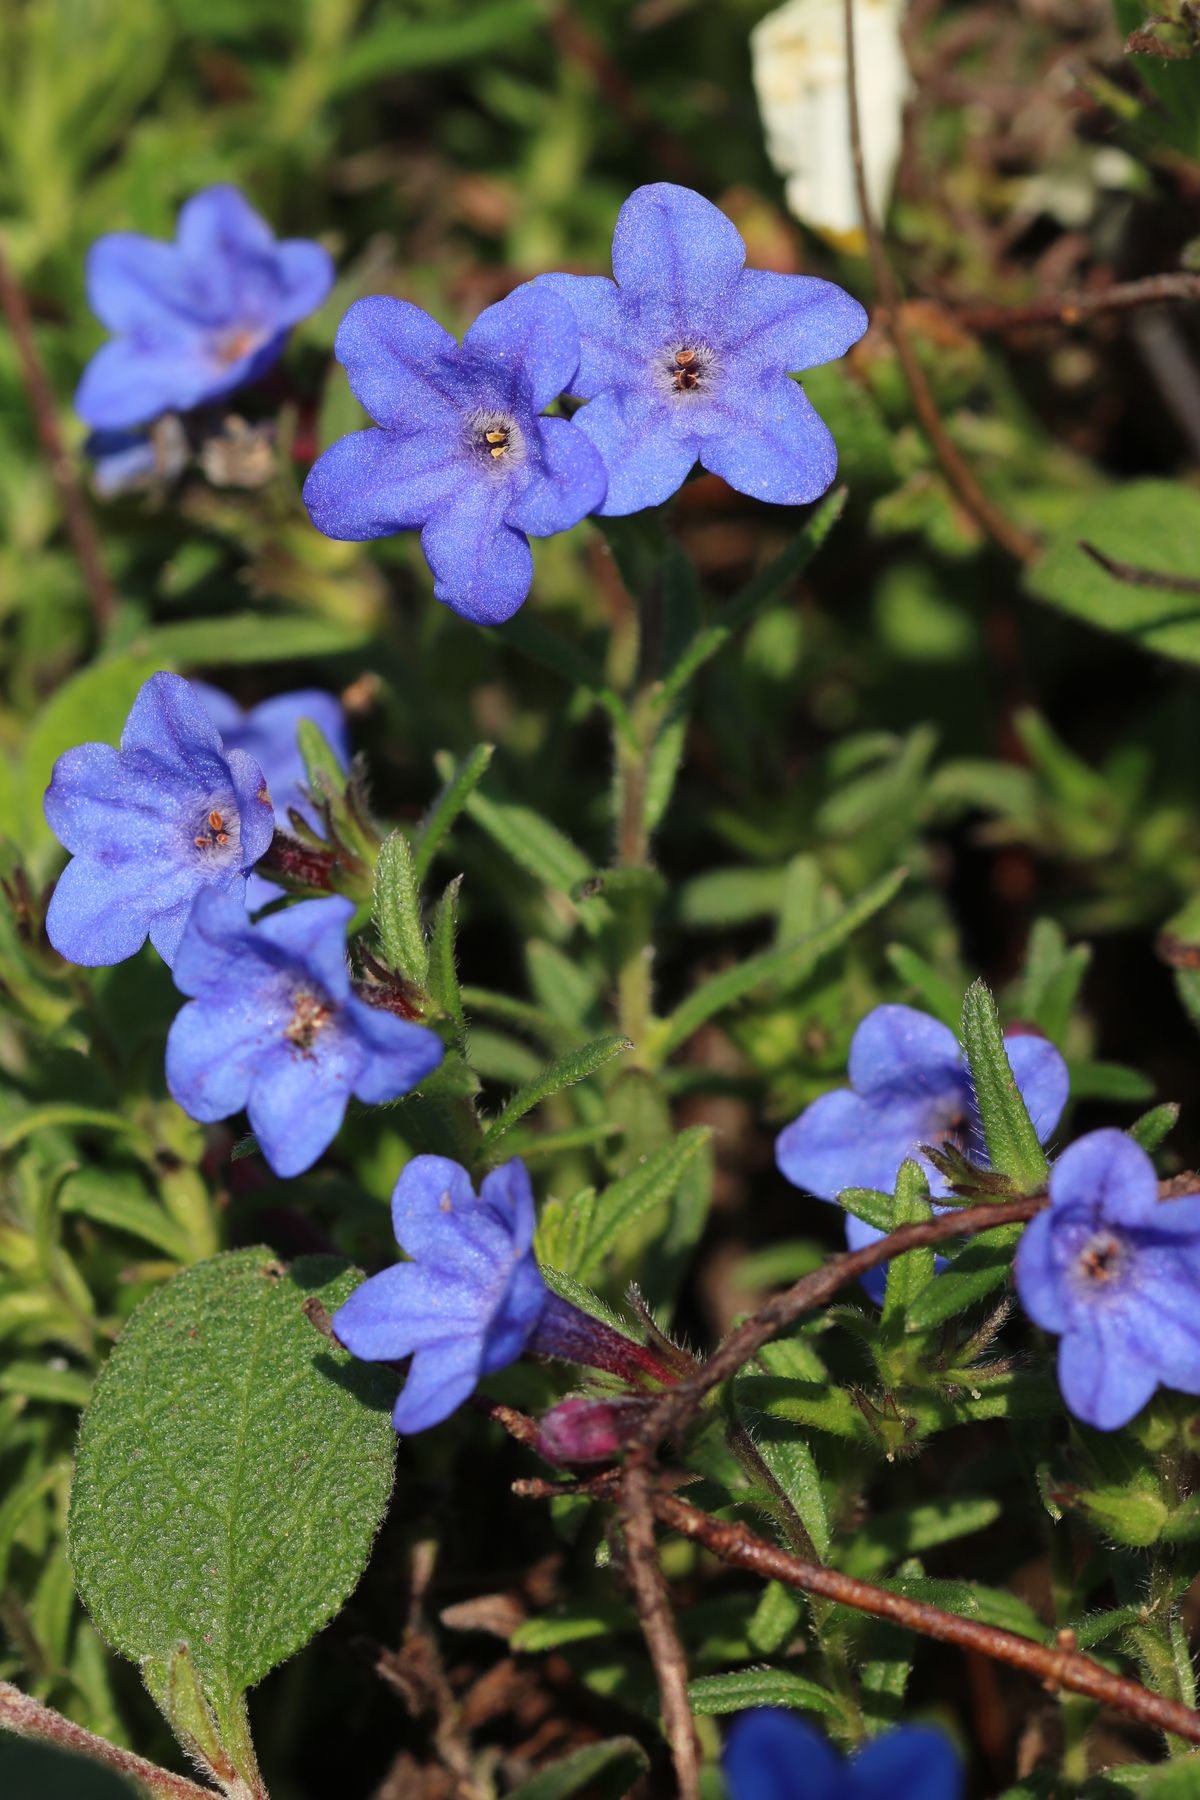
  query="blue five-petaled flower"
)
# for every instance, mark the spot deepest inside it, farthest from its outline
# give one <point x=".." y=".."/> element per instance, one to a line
<point x="687" y="357"/>
<point x="195" y="319"/>
<point x="772" y="1755"/>
<point x="460" y="448"/>
<point x="1116" y="1272"/>
<point x="909" y="1085"/>
<point x="273" y="1026"/>
<point x="472" y="1298"/>
<point x="150" y="825"/>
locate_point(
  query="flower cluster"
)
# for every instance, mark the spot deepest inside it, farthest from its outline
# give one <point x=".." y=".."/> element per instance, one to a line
<point x="685" y="357"/>
<point x="772" y="1755"/>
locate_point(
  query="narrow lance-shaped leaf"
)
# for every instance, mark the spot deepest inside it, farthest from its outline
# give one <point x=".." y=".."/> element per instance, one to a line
<point x="745" y="1688"/>
<point x="449" y="803"/>
<point x="785" y="964"/>
<point x="564" y="1072"/>
<point x="442" y="977"/>
<point x="397" y="910"/>
<point x="605" y="1771"/>
<point x="651" y="1183"/>
<point x="910" y="1274"/>
<point x="1012" y="1143"/>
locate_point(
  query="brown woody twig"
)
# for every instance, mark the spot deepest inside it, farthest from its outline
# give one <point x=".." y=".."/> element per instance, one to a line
<point x="958" y="473"/>
<point x="636" y="1504"/>
<point x="1082" y="303"/>
<point x="28" y="1718"/>
<point x="80" y="529"/>
<point x="1135" y="576"/>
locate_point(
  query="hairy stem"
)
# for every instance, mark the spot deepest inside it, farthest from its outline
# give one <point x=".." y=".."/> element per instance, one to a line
<point x="28" y="1718"/>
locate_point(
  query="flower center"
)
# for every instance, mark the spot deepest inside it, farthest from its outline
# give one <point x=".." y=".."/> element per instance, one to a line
<point x="1101" y="1259"/>
<point x="230" y="346"/>
<point x="686" y="368"/>
<point x="217" y="833"/>
<point x="496" y="438"/>
<point x="311" y="1013"/>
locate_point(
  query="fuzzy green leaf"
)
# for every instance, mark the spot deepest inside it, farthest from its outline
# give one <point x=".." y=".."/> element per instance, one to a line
<point x="233" y="1468"/>
<point x="789" y="963"/>
<point x="908" y="1275"/>
<point x="608" y="1771"/>
<point x="396" y="910"/>
<point x="716" y="1694"/>
<point x="562" y="1073"/>
<point x="449" y="803"/>
<point x="1013" y="1147"/>
<point x="1153" y="1128"/>
<point x="975" y="1272"/>
<point x="442" y="974"/>
<point x="651" y="1183"/>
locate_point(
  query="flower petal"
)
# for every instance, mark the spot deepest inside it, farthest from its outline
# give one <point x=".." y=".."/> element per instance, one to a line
<point x="212" y="1052"/>
<point x="401" y="364"/>
<point x="790" y="322"/>
<point x="611" y="350"/>
<point x="528" y="344"/>
<point x="439" y="1220"/>
<point x="567" y="481"/>
<point x="508" y="1191"/>
<point x="399" y="1054"/>
<point x="440" y="1379"/>
<point x="218" y="941"/>
<point x="129" y="384"/>
<point x="99" y="913"/>
<point x="899" y="1046"/>
<point x="306" y="274"/>
<point x="647" y="454"/>
<point x="136" y="284"/>
<point x="913" y="1760"/>
<point x="1040" y="1276"/>
<point x="256" y="814"/>
<point x="858" y="1235"/>
<point x="1102" y="1373"/>
<point x="1107" y="1172"/>
<point x="482" y="568"/>
<point x="374" y="483"/>
<point x="93" y="808"/>
<point x="767" y="1748"/>
<point x="219" y="224"/>
<point x="1042" y="1078"/>
<point x="400" y="1310"/>
<point x="312" y="935"/>
<point x="169" y="721"/>
<point x="775" y="446"/>
<point x="672" y="243"/>
<point x="845" y="1140"/>
<point x="297" y="1102"/>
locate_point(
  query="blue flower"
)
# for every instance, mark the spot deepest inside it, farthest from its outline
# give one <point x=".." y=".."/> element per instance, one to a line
<point x="472" y="1299"/>
<point x="909" y="1085"/>
<point x="267" y="732"/>
<point x="274" y="1027"/>
<point x="461" y="449"/>
<point x="772" y="1755"/>
<point x="688" y="356"/>
<point x="195" y="319"/>
<point x="149" y="826"/>
<point x="1116" y="1273"/>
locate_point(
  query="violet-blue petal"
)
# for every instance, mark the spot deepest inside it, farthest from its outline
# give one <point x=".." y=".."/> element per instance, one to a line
<point x="212" y="957"/>
<point x="529" y="345"/>
<point x="169" y="921"/>
<point x="1103" y="1371"/>
<point x="776" y="447"/>
<point x="899" y="1045"/>
<point x="442" y="1376"/>
<point x="518" y="1312"/>
<point x="844" y="1140"/>
<point x="399" y="364"/>
<point x="765" y="1751"/>
<point x="136" y="284"/>
<point x="509" y="1192"/>
<point x="670" y="241"/>
<point x="169" y="721"/>
<point x="646" y="455"/>
<point x="911" y="1763"/>
<point x="1109" y="1172"/>
<point x="791" y="322"/>
<point x="312" y="934"/>
<point x="607" y="353"/>
<point x="374" y="483"/>
<point x="96" y="916"/>
<point x="482" y="568"/>
<point x="858" y="1235"/>
<point x="404" y="1307"/>
<point x="567" y="481"/>
<point x="431" y="1197"/>
<point x="402" y="1054"/>
<point x="211" y="1056"/>
<point x="220" y="222"/>
<point x="306" y="273"/>
<point x="296" y="1104"/>
<point x="1040" y="1284"/>
<point x="93" y="809"/>
<point x="255" y="810"/>
<point x="1042" y="1079"/>
<point x="127" y="383"/>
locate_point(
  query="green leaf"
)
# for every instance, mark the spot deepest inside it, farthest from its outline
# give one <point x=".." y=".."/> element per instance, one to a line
<point x="118" y="1198"/>
<point x="1013" y="1147"/>
<point x="792" y="1463"/>
<point x="776" y="1617"/>
<point x="871" y="1206"/>
<point x="975" y="1272"/>
<point x="322" y="766"/>
<point x="717" y="1694"/>
<point x="233" y="1468"/>
<point x="396" y="910"/>
<point x="816" y="1404"/>
<point x="788" y="963"/>
<point x="887" y="1537"/>
<point x="608" y="1770"/>
<point x="41" y="1381"/>
<point x="562" y="1073"/>
<point x="1053" y="974"/>
<point x="1155" y="1126"/>
<point x="442" y="975"/>
<point x="572" y="1625"/>
<point x="399" y="45"/>
<point x="447" y="806"/>
<point x="652" y="1183"/>
<point x="908" y="1275"/>
<point x="531" y="841"/>
<point x="248" y="637"/>
<point x="1151" y="526"/>
<point x="939" y="996"/>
